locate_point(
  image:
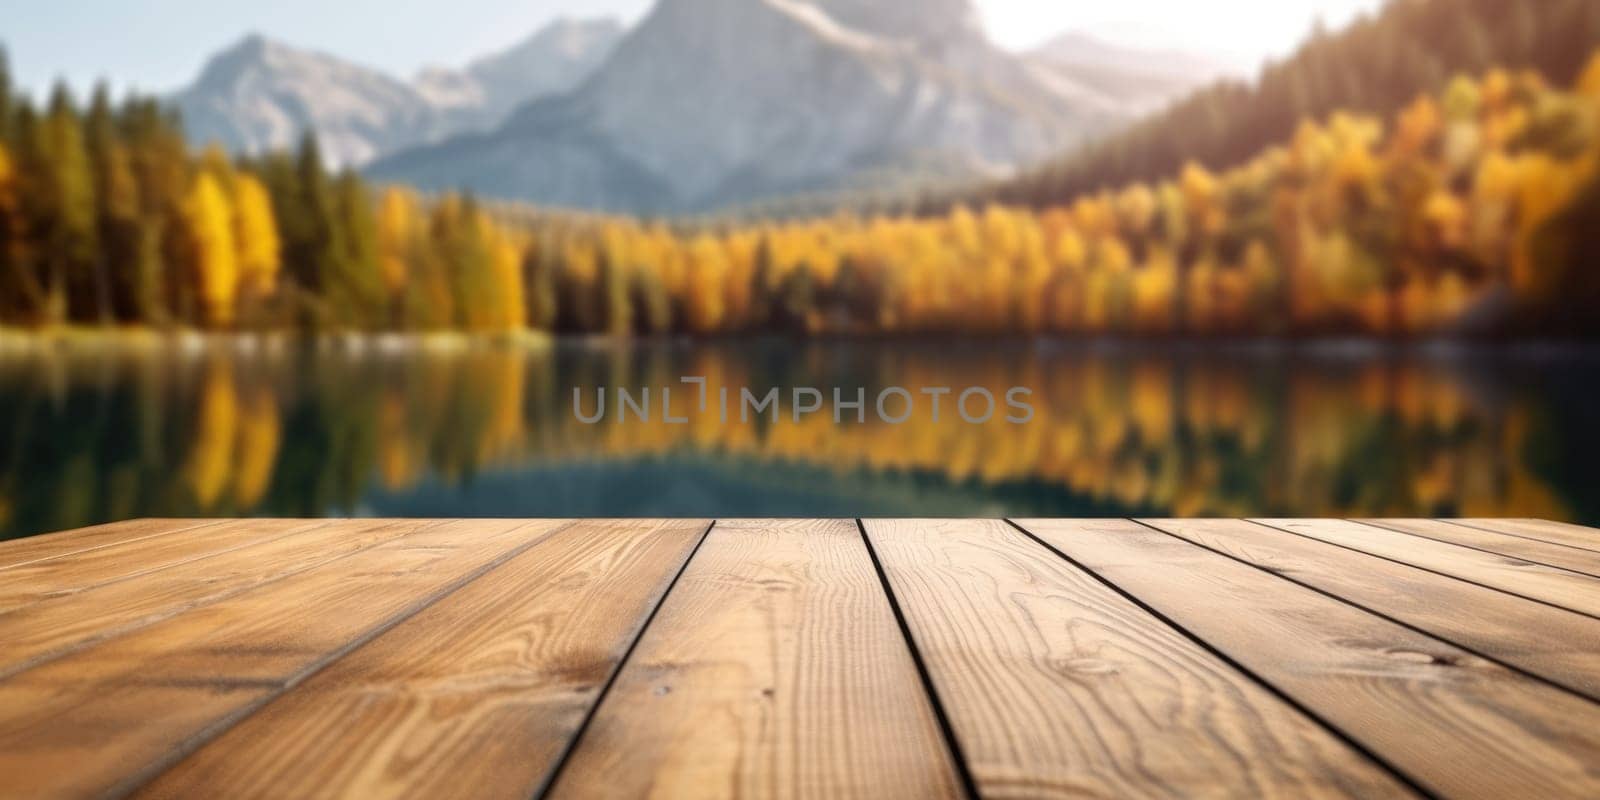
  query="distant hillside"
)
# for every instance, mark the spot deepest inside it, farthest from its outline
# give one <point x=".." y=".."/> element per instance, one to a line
<point x="1378" y="64"/>
<point x="261" y="95"/>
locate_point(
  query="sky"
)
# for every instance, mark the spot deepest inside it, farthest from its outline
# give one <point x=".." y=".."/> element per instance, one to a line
<point x="159" y="45"/>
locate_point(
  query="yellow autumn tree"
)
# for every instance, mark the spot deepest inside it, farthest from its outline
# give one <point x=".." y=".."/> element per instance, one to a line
<point x="398" y="217"/>
<point x="505" y="263"/>
<point x="708" y="266"/>
<point x="255" y="235"/>
<point x="209" y="218"/>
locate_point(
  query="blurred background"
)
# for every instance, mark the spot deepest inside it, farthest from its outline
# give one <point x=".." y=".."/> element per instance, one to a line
<point x="1310" y="258"/>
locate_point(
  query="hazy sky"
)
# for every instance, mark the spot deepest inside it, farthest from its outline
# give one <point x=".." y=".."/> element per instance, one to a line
<point x="161" y="44"/>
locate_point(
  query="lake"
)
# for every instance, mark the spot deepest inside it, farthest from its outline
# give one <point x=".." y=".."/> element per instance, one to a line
<point x="91" y="434"/>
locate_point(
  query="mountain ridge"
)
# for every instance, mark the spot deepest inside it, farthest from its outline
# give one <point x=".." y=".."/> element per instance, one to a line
<point x="260" y="94"/>
<point x="707" y="103"/>
<point x="703" y="104"/>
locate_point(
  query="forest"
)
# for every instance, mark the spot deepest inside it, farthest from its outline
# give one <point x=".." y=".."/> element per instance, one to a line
<point x="1468" y="211"/>
<point x="1377" y="65"/>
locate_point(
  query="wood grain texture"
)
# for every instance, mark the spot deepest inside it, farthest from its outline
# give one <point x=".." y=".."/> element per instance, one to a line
<point x="69" y="574"/>
<point x="1558" y="645"/>
<point x="17" y="552"/>
<point x="474" y="697"/>
<point x="1552" y="555"/>
<point x="1558" y="587"/>
<point x="1458" y="724"/>
<point x="438" y="658"/>
<point x="1562" y="533"/>
<point x="107" y="718"/>
<point x="1057" y="686"/>
<point x="61" y="624"/>
<point x="775" y="668"/>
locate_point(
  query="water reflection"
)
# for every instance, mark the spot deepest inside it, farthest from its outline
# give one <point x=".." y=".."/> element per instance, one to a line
<point x="92" y="435"/>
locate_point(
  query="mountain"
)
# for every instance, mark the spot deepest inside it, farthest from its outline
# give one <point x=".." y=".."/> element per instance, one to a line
<point x="261" y="95"/>
<point x="712" y="102"/>
<point x="1143" y="79"/>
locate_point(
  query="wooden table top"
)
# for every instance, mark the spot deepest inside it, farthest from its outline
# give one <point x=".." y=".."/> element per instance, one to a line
<point x="784" y="658"/>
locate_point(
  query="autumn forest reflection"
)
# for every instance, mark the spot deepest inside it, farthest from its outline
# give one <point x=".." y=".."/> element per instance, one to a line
<point x="482" y="430"/>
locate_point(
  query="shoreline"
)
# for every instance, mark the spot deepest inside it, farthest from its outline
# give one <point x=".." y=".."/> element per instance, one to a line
<point x="21" y="341"/>
<point x="137" y="340"/>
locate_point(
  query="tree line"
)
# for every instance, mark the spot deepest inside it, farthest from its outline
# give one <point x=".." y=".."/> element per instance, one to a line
<point x="1469" y="210"/>
<point x="107" y="216"/>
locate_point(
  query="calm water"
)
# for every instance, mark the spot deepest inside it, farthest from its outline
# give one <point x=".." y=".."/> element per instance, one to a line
<point x="89" y="436"/>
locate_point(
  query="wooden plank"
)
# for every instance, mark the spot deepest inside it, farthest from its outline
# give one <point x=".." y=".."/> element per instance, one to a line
<point x="1552" y="585"/>
<point x="775" y="668"/>
<point x="1457" y="724"/>
<point x="488" y="684"/>
<point x="106" y="719"/>
<point x="82" y="571"/>
<point x="57" y="626"/>
<point x="1057" y="686"/>
<point x="1556" y="644"/>
<point x="18" y="552"/>
<point x="1562" y="533"/>
<point x="1553" y="555"/>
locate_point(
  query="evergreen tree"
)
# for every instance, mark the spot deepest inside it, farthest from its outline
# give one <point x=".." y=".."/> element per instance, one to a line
<point x="616" y="303"/>
<point x="160" y="163"/>
<point x="652" y="306"/>
<point x="116" y="211"/>
<point x="8" y="100"/>
<point x="26" y="284"/>
<point x="468" y="261"/>
<point x="295" y="228"/>
<point x="310" y="219"/>
<point x="855" y="295"/>
<point x="429" y="302"/>
<point x="762" y="291"/>
<point x="10" y="232"/>
<point x="1566" y="250"/>
<point x="62" y="188"/>
<point x="539" y="275"/>
<point x="578" y="302"/>
<point x="795" y="301"/>
<point x="355" y="288"/>
<point x="11" y="220"/>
